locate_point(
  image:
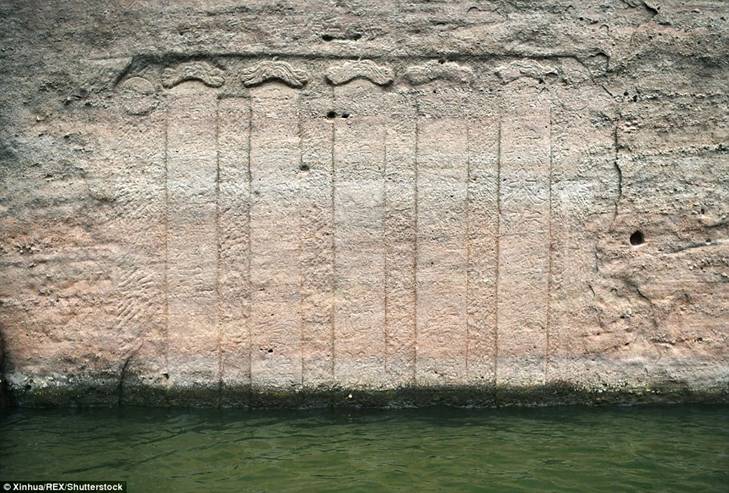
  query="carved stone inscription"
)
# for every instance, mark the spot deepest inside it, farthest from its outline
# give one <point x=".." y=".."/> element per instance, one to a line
<point x="482" y="239"/>
<point x="442" y="165"/>
<point x="191" y="235"/>
<point x="316" y="257"/>
<point x="350" y="234"/>
<point x="275" y="236"/>
<point x="524" y="234"/>
<point x="359" y="191"/>
<point x="234" y="241"/>
<point x="400" y="237"/>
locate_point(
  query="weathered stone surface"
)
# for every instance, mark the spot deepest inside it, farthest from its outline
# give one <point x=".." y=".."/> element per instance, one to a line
<point x="268" y="203"/>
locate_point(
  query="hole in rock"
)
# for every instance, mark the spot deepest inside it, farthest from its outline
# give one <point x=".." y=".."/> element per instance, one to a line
<point x="342" y="37"/>
<point x="345" y="115"/>
<point x="304" y="167"/>
<point x="637" y="238"/>
<point x="331" y="114"/>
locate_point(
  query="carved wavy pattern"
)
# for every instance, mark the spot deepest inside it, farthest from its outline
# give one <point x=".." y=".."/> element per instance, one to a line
<point x="434" y="70"/>
<point x="359" y="69"/>
<point x="274" y="70"/>
<point x="523" y="68"/>
<point x="202" y="71"/>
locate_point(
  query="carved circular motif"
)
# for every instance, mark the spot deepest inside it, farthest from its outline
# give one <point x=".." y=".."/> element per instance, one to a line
<point x="137" y="96"/>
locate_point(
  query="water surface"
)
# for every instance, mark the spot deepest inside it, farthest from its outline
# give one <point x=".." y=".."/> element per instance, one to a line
<point x="683" y="448"/>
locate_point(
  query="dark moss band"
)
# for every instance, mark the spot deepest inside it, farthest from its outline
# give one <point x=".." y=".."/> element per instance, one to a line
<point x="103" y="395"/>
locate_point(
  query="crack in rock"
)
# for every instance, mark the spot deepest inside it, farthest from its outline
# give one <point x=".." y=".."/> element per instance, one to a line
<point x="618" y="171"/>
<point x="123" y="375"/>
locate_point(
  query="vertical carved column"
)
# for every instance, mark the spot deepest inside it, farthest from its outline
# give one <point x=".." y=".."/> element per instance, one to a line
<point x="317" y="238"/>
<point x="359" y="318"/>
<point x="524" y="233"/>
<point x="442" y="252"/>
<point x="234" y="285"/>
<point x="275" y="237"/>
<point x="191" y="235"/>
<point x="482" y="225"/>
<point x="399" y="238"/>
<point x="137" y="139"/>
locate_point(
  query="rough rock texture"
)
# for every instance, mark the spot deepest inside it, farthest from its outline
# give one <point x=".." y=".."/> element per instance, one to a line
<point x="231" y="203"/>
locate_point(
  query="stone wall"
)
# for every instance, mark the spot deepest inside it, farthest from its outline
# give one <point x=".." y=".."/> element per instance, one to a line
<point x="226" y="202"/>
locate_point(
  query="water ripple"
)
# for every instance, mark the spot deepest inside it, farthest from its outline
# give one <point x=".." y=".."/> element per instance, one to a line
<point x="638" y="449"/>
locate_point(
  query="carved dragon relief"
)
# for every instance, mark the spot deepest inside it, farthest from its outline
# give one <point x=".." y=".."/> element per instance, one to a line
<point x="359" y="69"/>
<point x="337" y="74"/>
<point x="274" y="70"/>
<point x="202" y="71"/>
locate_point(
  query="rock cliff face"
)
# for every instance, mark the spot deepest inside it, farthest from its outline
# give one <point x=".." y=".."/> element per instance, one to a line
<point x="226" y="202"/>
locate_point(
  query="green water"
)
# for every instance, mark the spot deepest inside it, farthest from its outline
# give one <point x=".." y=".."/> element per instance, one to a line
<point x="565" y="449"/>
